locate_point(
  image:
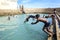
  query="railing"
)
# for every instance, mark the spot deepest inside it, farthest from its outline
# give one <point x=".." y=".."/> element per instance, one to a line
<point x="57" y="29"/>
<point x="56" y="26"/>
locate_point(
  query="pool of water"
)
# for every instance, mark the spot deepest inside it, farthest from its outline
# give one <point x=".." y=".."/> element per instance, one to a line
<point x="16" y="29"/>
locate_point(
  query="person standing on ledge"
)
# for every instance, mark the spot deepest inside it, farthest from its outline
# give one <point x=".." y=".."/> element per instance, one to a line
<point x="45" y="21"/>
<point x="57" y="17"/>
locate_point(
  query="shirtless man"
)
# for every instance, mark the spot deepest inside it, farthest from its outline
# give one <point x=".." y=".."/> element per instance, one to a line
<point x="45" y="21"/>
<point x="57" y="17"/>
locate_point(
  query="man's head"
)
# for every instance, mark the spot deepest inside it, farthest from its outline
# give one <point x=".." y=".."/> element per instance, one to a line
<point x="37" y="15"/>
<point x="54" y="9"/>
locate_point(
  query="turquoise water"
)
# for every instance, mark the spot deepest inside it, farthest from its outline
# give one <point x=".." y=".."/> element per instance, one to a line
<point x="16" y="29"/>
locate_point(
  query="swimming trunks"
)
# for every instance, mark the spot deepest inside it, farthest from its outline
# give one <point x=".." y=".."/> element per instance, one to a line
<point x="47" y="24"/>
<point x="59" y="24"/>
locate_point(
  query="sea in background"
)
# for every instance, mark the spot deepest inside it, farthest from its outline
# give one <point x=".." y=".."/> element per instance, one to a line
<point x="16" y="29"/>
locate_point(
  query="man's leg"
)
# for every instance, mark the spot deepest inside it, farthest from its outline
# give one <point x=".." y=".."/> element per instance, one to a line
<point x="45" y="31"/>
<point x="49" y="30"/>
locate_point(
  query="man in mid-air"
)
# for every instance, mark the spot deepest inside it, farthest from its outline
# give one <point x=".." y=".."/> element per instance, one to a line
<point x="44" y="20"/>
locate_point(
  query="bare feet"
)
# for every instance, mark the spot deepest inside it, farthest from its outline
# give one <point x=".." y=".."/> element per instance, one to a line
<point x="49" y="35"/>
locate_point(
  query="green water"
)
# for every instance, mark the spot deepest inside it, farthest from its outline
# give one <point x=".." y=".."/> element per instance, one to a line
<point x="16" y="29"/>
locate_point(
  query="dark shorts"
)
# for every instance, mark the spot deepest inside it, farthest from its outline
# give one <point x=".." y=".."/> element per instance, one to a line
<point x="59" y="24"/>
<point x="47" y="24"/>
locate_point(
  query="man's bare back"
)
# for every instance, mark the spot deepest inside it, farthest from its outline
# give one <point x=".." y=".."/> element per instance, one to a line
<point x="42" y="19"/>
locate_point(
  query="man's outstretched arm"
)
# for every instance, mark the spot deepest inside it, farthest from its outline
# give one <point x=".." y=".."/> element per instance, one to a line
<point x="27" y="19"/>
<point x="35" y="22"/>
<point x="49" y="16"/>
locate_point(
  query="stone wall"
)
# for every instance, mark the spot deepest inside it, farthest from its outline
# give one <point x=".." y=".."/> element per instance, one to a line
<point x="41" y="10"/>
<point x="29" y="10"/>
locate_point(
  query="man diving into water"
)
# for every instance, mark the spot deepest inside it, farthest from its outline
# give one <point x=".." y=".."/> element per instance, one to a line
<point x="39" y="19"/>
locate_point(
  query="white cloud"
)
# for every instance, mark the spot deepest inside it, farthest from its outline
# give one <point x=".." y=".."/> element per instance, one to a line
<point x="25" y="1"/>
<point x="8" y="4"/>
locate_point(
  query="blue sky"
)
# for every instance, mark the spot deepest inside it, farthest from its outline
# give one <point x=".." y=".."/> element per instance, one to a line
<point x="40" y="3"/>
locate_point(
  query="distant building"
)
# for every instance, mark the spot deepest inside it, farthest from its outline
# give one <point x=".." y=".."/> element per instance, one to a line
<point x="22" y="9"/>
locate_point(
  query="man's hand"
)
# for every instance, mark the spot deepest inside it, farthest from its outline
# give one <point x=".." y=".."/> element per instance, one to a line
<point x="32" y="23"/>
<point x="26" y="20"/>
